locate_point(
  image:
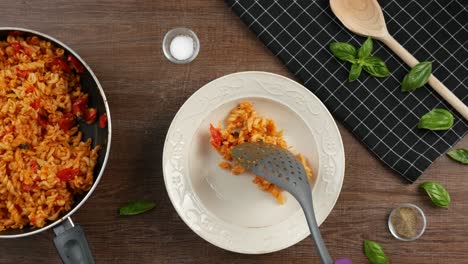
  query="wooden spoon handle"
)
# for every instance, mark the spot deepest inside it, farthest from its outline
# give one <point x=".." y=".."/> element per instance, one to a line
<point x="437" y="85"/>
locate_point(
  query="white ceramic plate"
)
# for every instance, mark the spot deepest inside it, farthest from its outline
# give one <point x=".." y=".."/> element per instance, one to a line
<point x="229" y="211"/>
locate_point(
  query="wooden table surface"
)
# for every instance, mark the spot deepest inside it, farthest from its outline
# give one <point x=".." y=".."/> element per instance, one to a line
<point x="121" y="41"/>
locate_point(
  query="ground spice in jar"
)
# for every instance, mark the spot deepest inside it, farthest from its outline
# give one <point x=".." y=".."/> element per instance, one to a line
<point x="405" y="222"/>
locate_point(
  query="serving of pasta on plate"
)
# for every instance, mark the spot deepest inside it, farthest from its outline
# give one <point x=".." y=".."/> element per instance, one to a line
<point x="243" y="124"/>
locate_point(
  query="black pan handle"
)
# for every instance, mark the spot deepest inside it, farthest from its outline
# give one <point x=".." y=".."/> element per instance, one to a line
<point x="71" y="244"/>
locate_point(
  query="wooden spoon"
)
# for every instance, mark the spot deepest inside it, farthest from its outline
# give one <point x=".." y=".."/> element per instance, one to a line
<point x="365" y="17"/>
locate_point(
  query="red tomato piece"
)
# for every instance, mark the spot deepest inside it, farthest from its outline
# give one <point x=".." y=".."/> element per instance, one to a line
<point x="34" y="166"/>
<point x="90" y="115"/>
<point x="36" y="104"/>
<point x="79" y="106"/>
<point x="27" y="187"/>
<point x="76" y="64"/>
<point x="103" y="120"/>
<point x="216" y="138"/>
<point x="61" y="63"/>
<point x="67" y="174"/>
<point x="67" y="122"/>
<point x="16" y="46"/>
<point x="21" y="73"/>
<point x="27" y="51"/>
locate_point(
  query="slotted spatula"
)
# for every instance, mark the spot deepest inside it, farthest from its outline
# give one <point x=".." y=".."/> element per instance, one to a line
<point x="280" y="167"/>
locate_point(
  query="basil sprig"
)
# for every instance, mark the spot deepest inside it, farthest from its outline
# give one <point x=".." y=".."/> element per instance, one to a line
<point x="460" y="155"/>
<point x="375" y="252"/>
<point x="360" y="59"/>
<point x="438" y="194"/>
<point x="135" y="208"/>
<point x="417" y="77"/>
<point x="437" y="119"/>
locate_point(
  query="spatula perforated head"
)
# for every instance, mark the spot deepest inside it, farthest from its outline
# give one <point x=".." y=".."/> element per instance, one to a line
<point x="282" y="168"/>
<point x="275" y="164"/>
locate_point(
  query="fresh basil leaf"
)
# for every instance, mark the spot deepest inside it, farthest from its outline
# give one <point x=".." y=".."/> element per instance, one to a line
<point x="375" y="66"/>
<point x="355" y="72"/>
<point x="344" y="51"/>
<point x="460" y="155"/>
<point x="417" y="77"/>
<point x="375" y="252"/>
<point x="366" y="48"/>
<point x="438" y="194"/>
<point x="437" y="119"/>
<point x="135" y="208"/>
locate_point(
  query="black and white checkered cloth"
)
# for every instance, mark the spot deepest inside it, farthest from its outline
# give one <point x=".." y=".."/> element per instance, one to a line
<point x="383" y="118"/>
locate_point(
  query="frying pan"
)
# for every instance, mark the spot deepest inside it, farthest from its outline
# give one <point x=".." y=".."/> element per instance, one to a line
<point x="70" y="240"/>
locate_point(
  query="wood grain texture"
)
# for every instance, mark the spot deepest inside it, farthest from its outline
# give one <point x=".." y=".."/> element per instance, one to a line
<point x="121" y="41"/>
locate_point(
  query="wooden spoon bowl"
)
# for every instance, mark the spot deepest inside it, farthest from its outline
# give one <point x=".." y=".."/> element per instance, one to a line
<point x="362" y="17"/>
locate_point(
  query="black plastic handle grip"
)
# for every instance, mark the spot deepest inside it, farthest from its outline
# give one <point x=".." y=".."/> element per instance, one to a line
<point x="73" y="247"/>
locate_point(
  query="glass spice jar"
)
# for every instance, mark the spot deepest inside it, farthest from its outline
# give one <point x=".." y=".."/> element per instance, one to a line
<point x="407" y="222"/>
